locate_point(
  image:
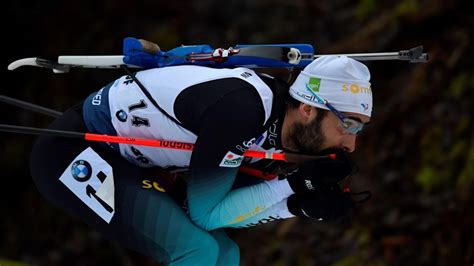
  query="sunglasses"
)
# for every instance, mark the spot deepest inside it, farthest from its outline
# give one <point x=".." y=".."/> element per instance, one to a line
<point x="349" y="125"/>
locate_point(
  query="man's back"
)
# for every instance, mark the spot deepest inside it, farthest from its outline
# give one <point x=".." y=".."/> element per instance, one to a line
<point x="198" y="98"/>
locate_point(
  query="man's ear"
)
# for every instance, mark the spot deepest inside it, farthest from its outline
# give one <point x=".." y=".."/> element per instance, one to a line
<point x="307" y="112"/>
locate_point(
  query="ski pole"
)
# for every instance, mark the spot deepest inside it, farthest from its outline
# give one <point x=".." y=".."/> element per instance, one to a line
<point x="30" y="106"/>
<point x="291" y="157"/>
<point x="165" y="144"/>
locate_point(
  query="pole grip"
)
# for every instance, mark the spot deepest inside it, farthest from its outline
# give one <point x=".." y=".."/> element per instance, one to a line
<point x="288" y="157"/>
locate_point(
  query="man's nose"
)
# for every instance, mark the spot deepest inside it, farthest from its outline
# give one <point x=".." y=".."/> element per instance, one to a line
<point x="349" y="143"/>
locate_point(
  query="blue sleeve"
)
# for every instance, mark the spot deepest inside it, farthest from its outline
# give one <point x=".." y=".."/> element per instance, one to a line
<point x="243" y="207"/>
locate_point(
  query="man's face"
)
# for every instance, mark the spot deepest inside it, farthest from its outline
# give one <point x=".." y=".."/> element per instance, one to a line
<point x="323" y="133"/>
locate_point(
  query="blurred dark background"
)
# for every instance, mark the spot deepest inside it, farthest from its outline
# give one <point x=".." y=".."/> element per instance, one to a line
<point x="417" y="156"/>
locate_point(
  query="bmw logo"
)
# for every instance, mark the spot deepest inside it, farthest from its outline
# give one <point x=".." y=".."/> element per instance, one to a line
<point x="121" y="115"/>
<point x="81" y="170"/>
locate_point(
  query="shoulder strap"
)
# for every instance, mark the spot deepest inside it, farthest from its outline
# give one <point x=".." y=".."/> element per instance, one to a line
<point x="280" y="95"/>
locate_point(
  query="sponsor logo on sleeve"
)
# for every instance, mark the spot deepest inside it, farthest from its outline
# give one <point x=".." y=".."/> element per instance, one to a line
<point x="246" y="145"/>
<point x="231" y="160"/>
<point x="247" y="215"/>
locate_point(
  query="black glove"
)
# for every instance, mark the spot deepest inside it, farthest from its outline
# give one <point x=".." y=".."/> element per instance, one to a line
<point x="329" y="203"/>
<point x="322" y="172"/>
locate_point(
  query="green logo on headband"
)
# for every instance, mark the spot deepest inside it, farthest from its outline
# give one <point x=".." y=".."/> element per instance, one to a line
<point x="314" y="84"/>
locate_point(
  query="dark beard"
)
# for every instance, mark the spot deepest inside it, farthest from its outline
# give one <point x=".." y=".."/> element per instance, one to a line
<point x="309" y="138"/>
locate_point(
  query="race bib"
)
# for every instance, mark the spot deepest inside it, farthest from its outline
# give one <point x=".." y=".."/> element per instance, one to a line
<point x="91" y="179"/>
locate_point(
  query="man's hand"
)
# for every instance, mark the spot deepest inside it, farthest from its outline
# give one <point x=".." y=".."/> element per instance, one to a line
<point x="312" y="175"/>
<point x="329" y="203"/>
